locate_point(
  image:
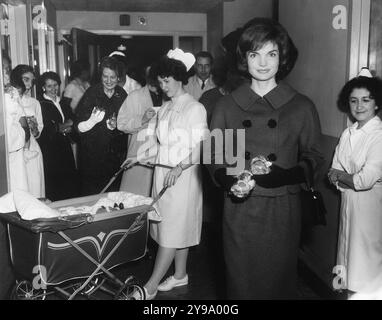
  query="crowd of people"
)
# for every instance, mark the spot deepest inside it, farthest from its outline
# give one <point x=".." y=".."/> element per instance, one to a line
<point x="63" y="147"/>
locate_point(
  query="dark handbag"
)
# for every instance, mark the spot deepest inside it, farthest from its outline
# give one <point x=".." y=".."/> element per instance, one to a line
<point x="313" y="206"/>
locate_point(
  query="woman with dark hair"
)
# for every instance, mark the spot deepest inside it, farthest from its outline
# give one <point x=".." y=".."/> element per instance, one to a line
<point x="103" y="146"/>
<point x="32" y="110"/>
<point x="79" y="75"/>
<point x="61" y="181"/>
<point x="181" y="128"/>
<point x="261" y="229"/>
<point x="357" y="172"/>
<point x="137" y="117"/>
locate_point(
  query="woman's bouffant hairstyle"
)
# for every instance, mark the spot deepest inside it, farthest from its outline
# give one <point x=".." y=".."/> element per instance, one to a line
<point x="168" y="67"/>
<point x="21" y="69"/>
<point x="112" y="64"/>
<point x="373" y="85"/>
<point x="261" y="31"/>
<point x="16" y="76"/>
<point x="49" y="75"/>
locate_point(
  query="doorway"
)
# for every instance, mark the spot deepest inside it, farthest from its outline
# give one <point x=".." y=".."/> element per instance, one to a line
<point x="140" y="50"/>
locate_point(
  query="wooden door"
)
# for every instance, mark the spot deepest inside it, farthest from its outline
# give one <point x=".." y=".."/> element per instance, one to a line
<point x="86" y="46"/>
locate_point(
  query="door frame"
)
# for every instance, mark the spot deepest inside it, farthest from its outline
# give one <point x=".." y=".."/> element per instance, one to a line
<point x="359" y="36"/>
<point x="175" y="36"/>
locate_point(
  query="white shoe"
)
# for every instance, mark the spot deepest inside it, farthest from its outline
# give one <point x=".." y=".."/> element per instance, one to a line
<point x="138" y="296"/>
<point x="171" y="283"/>
<point x="150" y="296"/>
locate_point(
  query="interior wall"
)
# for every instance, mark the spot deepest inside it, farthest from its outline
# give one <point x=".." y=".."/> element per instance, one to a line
<point x="321" y="68"/>
<point x="160" y="22"/>
<point x="320" y="72"/>
<point x="215" y="29"/>
<point x="238" y="12"/>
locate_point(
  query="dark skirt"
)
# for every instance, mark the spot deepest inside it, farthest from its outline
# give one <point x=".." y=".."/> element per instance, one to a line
<point x="61" y="176"/>
<point x="261" y="240"/>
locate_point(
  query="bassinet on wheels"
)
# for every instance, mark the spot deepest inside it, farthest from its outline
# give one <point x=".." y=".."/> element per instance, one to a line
<point x="74" y="254"/>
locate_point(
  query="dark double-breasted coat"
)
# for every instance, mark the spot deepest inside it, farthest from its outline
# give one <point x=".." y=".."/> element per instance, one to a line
<point x="261" y="232"/>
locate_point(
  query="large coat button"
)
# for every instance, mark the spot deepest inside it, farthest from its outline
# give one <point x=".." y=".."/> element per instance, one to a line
<point x="272" y="123"/>
<point x="272" y="157"/>
<point x="247" y="123"/>
<point x="247" y="155"/>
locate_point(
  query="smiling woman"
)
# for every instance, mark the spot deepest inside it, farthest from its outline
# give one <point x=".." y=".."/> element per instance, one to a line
<point x="357" y="172"/>
<point x="181" y="205"/>
<point x="261" y="230"/>
<point x="55" y="141"/>
<point x="103" y="146"/>
<point x="263" y="63"/>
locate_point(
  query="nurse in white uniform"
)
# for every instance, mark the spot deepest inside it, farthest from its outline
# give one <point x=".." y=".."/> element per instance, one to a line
<point x="357" y="173"/>
<point x="182" y="125"/>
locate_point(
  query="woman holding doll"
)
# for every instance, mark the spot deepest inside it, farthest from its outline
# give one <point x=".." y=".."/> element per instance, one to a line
<point x="261" y="227"/>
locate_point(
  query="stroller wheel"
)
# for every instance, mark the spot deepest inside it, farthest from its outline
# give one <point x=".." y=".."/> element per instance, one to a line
<point x="131" y="292"/>
<point x="24" y="290"/>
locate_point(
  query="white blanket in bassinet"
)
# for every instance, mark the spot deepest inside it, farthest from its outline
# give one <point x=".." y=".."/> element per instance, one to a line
<point x="26" y="205"/>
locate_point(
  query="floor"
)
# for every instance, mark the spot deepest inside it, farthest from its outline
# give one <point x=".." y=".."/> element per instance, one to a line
<point x="206" y="274"/>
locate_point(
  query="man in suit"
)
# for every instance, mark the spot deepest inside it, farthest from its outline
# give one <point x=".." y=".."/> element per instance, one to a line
<point x="202" y="80"/>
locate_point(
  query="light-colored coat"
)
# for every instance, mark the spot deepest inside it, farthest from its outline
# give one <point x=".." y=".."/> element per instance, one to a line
<point x="193" y="86"/>
<point x="15" y="138"/>
<point x="137" y="179"/>
<point x="33" y="155"/>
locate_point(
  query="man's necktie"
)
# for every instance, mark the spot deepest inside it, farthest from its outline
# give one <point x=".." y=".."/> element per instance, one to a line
<point x="203" y="83"/>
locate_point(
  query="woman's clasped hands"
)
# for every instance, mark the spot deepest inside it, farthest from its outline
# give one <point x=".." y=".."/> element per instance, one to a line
<point x="33" y="125"/>
<point x="334" y="176"/>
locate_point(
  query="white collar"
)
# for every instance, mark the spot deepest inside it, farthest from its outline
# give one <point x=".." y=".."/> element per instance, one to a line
<point x="368" y="126"/>
<point x="49" y="98"/>
<point x="200" y="81"/>
<point x="57" y="104"/>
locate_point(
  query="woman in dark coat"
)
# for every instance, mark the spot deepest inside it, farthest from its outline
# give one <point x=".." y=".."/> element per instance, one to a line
<point x="103" y="147"/>
<point x="261" y="231"/>
<point x="61" y="179"/>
